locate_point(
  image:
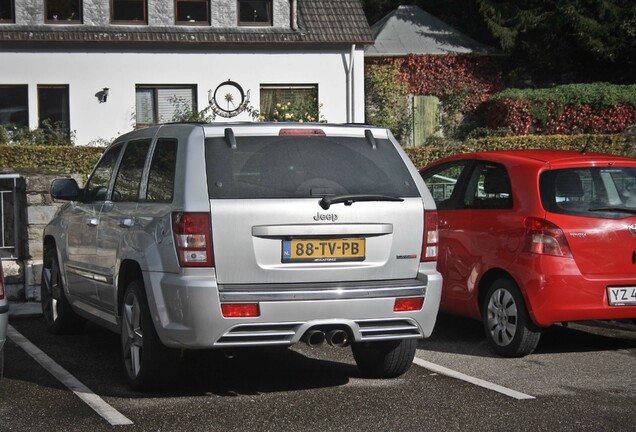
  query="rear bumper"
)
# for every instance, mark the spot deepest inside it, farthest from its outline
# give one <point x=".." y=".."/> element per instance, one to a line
<point x="322" y="291"/>
<point x="555" y="291"/>
<point x="187" y="310"/>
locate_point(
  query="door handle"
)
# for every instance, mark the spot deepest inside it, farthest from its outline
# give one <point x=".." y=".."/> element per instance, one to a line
<point x="91" y="222"/>
<point x="126" y="223"/>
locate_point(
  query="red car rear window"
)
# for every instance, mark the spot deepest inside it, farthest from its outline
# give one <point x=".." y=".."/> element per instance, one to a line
<point x="608" y="192"/>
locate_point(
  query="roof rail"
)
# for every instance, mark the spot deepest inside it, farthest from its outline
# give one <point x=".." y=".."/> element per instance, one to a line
<point x="370" y="138"/>
<point x="230" y="138"/>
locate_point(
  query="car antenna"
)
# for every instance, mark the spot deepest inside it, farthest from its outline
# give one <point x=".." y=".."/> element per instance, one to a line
<point x="584" y="149"/>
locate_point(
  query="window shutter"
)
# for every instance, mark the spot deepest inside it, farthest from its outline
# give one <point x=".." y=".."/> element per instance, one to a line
<point x="172" y="99"/>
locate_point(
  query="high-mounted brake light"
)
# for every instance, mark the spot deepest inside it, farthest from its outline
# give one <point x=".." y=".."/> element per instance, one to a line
<point x="240" y="310"/>
<point x="431" y="237"/>
<point x="408" y="304"/>
<point x="302" y="132"/>
<point x="545" y="238"/>
<point x="192" y="239"/>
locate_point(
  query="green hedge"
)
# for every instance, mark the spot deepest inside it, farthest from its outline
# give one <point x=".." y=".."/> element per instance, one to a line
<point x="81" y="160"/>
<point x="597" y="95"/>
<point x="70" y="159"/>
<point x="436" y="149"/>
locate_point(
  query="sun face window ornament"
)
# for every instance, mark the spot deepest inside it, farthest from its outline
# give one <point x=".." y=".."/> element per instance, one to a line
<point x="228" y="99"/>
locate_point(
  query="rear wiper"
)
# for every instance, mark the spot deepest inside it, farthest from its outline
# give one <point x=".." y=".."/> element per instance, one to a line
<point x="617" y="209"/>
<point x="326" y="201"/>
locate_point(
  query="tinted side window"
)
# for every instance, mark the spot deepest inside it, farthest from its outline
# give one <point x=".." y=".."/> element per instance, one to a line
<point x="443" y="181"/>
<point x="97" y="186"/>
<point x="128" y="178"/>
<point x="489" y="188"/>
<point x="162" y="171"/>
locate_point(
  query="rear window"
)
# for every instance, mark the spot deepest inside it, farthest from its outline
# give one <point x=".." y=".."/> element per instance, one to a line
<point x="608" y="192"/>
<point x="303" y="167"/>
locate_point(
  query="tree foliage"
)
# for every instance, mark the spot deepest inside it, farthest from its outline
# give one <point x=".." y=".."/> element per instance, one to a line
<point x="559" y="36"/>
<point x="547" y="40"/>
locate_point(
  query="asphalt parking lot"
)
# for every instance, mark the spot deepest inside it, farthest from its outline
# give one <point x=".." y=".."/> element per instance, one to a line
<point x="580" y="378"/>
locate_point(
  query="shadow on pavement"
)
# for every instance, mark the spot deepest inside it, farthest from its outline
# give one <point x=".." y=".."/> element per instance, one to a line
<point x="93" y="357"/>
<point x="460" y="335"/>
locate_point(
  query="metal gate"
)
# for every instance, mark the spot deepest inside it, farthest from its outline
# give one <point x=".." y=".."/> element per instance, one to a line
<point x="9" y="216"/>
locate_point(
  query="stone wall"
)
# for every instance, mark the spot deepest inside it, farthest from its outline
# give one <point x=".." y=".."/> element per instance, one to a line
<point x="223" y="13"/>
<point x="22" y="275"/>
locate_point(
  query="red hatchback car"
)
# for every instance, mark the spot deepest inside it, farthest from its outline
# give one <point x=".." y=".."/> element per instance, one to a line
<point x="529" y="238"/>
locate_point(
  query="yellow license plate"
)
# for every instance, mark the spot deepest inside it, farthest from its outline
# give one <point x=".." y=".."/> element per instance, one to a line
<point x="323" y="250"/>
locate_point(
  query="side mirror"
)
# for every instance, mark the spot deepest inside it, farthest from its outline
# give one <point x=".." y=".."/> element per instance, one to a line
<point x="65" y="189"/>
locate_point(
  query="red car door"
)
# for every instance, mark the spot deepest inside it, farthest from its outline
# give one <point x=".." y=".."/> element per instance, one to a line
<point x="475" y="227"/>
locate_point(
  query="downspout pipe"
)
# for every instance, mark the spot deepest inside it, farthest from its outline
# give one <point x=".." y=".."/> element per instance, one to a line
<point x="293" y="7"/>
<point x="350" y="83"/>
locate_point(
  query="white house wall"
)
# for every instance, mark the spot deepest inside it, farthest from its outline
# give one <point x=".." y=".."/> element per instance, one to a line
<point x="86" y="73"/>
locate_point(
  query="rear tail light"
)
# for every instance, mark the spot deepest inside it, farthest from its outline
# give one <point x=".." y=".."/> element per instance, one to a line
<point x="240" y="310"/>
<point x="192" y="239"/>
<point x="431" y="237"/>
<point x="545" y="238"/>
<point x="1" y="282"/>
<point x="408" y="304"/>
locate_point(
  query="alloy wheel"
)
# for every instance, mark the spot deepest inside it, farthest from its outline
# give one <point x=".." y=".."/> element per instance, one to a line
<point x="132" y="335"/>
<point x="502" y="317"/>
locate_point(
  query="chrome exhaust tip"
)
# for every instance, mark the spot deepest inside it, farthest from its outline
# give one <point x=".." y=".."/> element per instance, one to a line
<point x="338" y="338"/>
<point x="314" y="338"/>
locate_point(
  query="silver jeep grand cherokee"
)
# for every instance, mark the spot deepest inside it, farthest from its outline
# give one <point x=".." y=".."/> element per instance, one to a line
<point x="193" y="236"/>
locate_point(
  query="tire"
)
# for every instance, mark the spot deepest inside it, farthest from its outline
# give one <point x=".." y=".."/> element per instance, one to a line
<point x="506" y="320"/>
<point x="58" y="315"/>
<point x="148" y="363"/>
<point x="384" y="359"/>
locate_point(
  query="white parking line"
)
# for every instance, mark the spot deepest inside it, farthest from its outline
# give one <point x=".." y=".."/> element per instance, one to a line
<point x="110" y="414"/>
<point x="476" y="381"/>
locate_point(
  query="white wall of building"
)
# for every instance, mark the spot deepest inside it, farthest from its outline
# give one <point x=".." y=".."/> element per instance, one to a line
<point x="86" y="73"/>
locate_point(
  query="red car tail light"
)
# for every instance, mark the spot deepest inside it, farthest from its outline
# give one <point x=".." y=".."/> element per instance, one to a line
<point x="545" y="238"/>
<point x="431" y="237"/>
<point x="192" y="239"/>
<point x="408" y="304"/>
<point x="240" y="310"/>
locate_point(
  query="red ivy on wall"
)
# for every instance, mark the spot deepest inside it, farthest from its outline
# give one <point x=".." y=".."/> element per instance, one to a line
<point x="518" y="116"/>
<point x="462" y="80"/>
